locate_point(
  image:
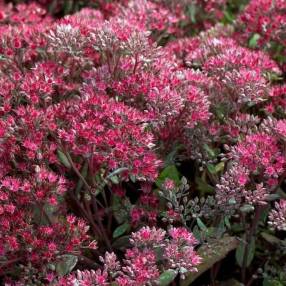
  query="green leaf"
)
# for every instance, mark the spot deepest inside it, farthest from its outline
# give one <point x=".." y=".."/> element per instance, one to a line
<point x="171" y="157"/>
<point x="170" y="172"/>
<point x="281" y="193"/>
<point x="204" y="187"/>
<point x="212" y="152"/>
<point x="132" y="178"/>
<point x="52" y="6"/>
<point x="272" y="197"/>
<point x="253" y="40"/>
<point x="121" y="230"/>
<point x="84" y="174"/>
<point x="2" y="58"/>
<point x="66" y="265"/>
<point x="220" y="112"/>
<point x="220" y="229"/>
<point x="264" y="214"/>
<point x="247" y="208"/>
<point x="43" y="214"/>
<point x="68" y="6"/>
<point x="237" y="228"/>
<point x="201" y="225"/>
<point x="114" y="180"/>
<point x="120" y="208"/>
<point x="214" y="169"/>
<point x="227" y="222"/>
<point x="272" y="76"/>
<point x="192" y="11"/>
<point x="116" y="172"/>
<point x="239" y="255"/>
<point x="167" y="277"/>
<point x="232" y="201"/>
<point x="113" y="177"/>
<point x="121" y="243"/>
<point x="228" y="17"/>
<point x="219" y="167"/>
<point x="211" y="168"/>
<point x="197" y="233"/>
<point x="271" y="282"/>
<point x="270" y="238"/>
<point x="63" y="159"/>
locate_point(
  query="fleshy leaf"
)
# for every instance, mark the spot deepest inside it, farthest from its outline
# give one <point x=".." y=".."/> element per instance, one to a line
<point x="167" y="277"/>
<point x="239" y="255"/>
<point x="169" y="172"/>
<point x="63" y="159"/>
<point x="66" y="265"/>
<point x="121" y="230"/>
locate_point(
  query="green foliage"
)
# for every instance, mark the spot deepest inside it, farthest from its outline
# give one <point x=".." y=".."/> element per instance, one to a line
<point x="167" y="277"/>
<point x="84" y="175"/>
<point x="63" y="159"/>
<point x="120" y="230"/>
<point x="272" y="282"/>
<point x="203" y="187"/>
<point x="253" y="40"/>
<point x="66" y="264"/>
<point x="245" y="252"/>
<point x="120" y="208"/>
<point x="170" y="172"/>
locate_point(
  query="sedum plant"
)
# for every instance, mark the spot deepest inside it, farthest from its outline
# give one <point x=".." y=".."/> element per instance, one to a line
<point x="142" y="143"/>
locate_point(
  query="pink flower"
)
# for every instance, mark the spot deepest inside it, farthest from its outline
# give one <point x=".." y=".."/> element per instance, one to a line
<point x="147" y="235"/>
<point x="181" y="234"/>
<point x="52" y="246"/>
<point x="281" y="128"/>
<point x="242" y="179"/>
<point x="169" y="184"/>
<point x="277" y="216"/>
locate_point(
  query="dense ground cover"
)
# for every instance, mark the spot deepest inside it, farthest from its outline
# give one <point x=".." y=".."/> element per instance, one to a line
<point x="143" y="142"/>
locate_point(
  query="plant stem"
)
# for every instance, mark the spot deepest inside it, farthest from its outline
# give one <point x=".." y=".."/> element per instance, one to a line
<point x="11" y="261"/>
<point x="102" y="228"/>
<point x="249" y="237"/>
<point x="89" y="188"/>
<point x="95" y="229"/>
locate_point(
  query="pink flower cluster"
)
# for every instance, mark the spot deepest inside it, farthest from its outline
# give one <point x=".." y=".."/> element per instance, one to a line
<point x="266" y="20"/>
<point x="234" y="80"/>
<point x="74" y="92"/>
<point x="141" y="265"/>
<point x="277" y="216"/>
<point x="146" y="209"/>
<point x="235" y="75"/>
<point x="257" y="158"/>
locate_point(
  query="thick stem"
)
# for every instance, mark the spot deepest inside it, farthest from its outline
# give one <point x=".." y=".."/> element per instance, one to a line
<point x="89" y="188"/>
<point x="104" y="234"/>
<point x="43" y="211"/>
<point x="87" y="212"/>
<point x="253" y="228"/>
<point x="214" y="271"/>
<point x="249" y="237"/>
<point x="95" y="229"/>
<point x="77" y="171"/>
<point x="136" y="64"/>
<point x="110" y="216"/>
<point x="11" y="261"/>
